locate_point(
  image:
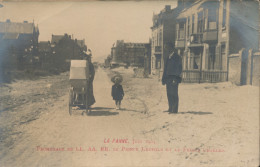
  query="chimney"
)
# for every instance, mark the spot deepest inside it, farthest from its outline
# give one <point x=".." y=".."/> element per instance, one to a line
<point x="167" y="8"/>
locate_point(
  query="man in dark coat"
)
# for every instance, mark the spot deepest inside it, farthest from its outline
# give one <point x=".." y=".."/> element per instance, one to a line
<point x="90" y="94"/>
<point x="172" y="77"/>
<point x="91" y="97"/>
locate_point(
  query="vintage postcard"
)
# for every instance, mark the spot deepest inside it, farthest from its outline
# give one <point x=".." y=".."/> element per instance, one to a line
<point x="129" y="83"/>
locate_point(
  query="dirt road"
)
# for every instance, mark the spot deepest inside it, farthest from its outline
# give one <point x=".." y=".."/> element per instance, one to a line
<point x="56" y="129"/>
<point x="216" y="126"/>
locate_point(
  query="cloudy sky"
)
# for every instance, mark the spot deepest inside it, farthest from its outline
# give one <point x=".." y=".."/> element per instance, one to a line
<point x="100" y="23"/>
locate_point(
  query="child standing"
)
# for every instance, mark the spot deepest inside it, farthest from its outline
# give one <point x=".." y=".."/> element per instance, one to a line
<point x="117" y="92"/>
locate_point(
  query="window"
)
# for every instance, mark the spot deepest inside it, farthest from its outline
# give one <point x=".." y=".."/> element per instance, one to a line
<point x="160" y="38"/>
<point x="188" y="31"/>
<point x="212" y="19"/>
<point x="224" y="13"/>
<point x="192" y="28"/>
<point x="158" y="63"/>
<point x="200" y="22"/>
<point x="153" y="62"/>
<point x="157" y="38"/>
<point x="195" y="58"/>
<point x="212" y="57"/>
<point x="181" y="30"/>
<point x="205" y="18"/>
<point x="223" y="53"/>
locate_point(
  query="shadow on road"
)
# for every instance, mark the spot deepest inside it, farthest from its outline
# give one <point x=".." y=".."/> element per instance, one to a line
<point x="101" y="108"/>
<point x="195" y="112"/>
<point x="102" y="113"/>
<point x="125" y="109"/>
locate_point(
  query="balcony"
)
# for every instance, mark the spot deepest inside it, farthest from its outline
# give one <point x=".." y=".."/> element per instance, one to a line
<point x="196" y="40"/>
<point x="158" y="49"/>
<point x="210" y="36"/>
<point x="180" y="43"/>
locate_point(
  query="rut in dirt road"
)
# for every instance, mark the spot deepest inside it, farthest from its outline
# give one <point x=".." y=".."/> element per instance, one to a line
<point x="202" y="124"/>
<point x="55" y="128"/>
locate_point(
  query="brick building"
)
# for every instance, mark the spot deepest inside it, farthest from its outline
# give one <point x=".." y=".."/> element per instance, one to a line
<point x="18" y="44"/>
<point x="128" y="54"/>
<point x="61" y="50"/>
<point x="207" y="32"/>
<point x="45" y="54"/>
<point x="163" y="31"/>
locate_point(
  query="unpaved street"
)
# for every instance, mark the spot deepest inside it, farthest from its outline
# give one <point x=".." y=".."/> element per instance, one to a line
<point x="217" y="125"/>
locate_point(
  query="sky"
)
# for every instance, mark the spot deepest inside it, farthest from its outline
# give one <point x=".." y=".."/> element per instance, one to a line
<point x="100" y="23"/>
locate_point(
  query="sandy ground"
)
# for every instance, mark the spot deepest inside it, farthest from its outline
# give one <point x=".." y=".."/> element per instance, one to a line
<point x="217" y="125"/>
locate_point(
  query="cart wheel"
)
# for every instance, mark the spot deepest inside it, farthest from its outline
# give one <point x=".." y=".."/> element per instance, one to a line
<point x="70" y="102"/>
<point x="88" y="111"/>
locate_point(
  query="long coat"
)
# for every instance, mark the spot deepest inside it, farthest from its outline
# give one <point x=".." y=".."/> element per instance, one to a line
<point x="172" y="68"/>
<point x="91" y="97"/>
<point x="117" y="92"/>
<point x="172" y="78"/>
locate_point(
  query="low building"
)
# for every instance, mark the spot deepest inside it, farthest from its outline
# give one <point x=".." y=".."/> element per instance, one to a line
<point x="64" y="49"/>
<point x="45" y="54"/>
<point x="18" y="44"/>
<point x="82" y="44"/>
<point x="107" y="61"/>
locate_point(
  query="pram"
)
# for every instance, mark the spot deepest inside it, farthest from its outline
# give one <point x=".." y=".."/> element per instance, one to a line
<point x="79" y="83"/>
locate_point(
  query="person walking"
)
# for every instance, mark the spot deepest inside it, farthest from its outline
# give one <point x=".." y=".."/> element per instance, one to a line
<point x="91" y="71"/>
<point x="117" y="91"/>
<point x="172" y="77"/>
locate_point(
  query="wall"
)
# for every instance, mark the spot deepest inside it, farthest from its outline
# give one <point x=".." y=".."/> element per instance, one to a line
<point x="256" y="70"/>
<point x="244" y="68"/>
<point x="234" y="70"/>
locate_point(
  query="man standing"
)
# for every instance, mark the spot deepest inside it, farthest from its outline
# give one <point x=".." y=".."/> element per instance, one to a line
<point x="172" y="77"/>
<point x="91" y="97"/>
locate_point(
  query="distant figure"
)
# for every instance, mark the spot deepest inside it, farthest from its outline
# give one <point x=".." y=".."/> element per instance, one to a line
<point x="172" y="77"/>
<point x="117" y="91"/>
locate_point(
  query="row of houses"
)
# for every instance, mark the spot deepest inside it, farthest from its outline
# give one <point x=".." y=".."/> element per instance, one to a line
<point x="205" y="33"/>
<point x="58" y="52"/>
<point x="20" y="48"/>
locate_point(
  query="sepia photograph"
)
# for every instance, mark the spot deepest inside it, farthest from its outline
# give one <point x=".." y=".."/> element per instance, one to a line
<point x="131" y="83"/>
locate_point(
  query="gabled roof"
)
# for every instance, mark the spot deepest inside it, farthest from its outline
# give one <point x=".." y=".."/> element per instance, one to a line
<point x="190" y="10"/>
<point x="81" y="43"/>
<point x="44" y="46"/>
<point x="56" y="38"/>
<point x="11" y="36"/>
<point x="21" y="28"/>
